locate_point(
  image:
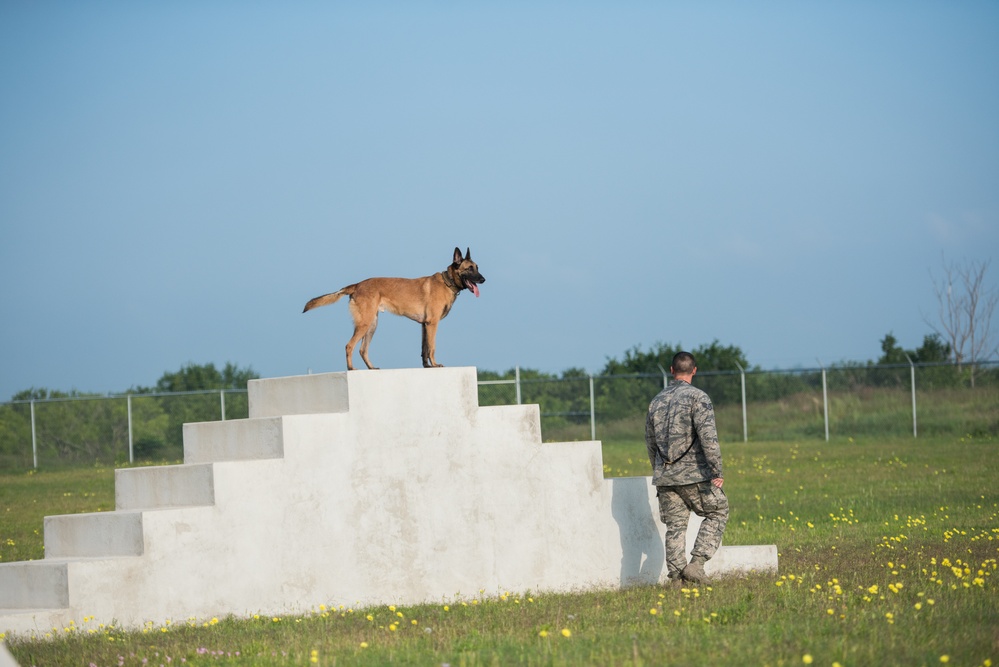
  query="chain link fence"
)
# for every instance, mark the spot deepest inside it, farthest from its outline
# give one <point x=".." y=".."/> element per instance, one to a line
<point x="801" y="404"/>
<point x="108" y="430"/>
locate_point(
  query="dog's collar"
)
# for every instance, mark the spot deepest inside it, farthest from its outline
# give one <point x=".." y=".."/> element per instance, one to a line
<point x="446" y="275"/>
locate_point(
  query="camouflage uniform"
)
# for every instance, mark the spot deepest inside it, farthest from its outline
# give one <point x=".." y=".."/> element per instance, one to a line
<point x="682" y="442"/>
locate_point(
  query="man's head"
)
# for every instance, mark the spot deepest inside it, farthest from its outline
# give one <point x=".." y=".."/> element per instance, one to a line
<point x="683" y="365"/>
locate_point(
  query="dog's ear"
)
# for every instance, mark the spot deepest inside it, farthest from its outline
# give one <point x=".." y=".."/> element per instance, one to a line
<point x="457" y="255"/>
<point x="468" y="254"/>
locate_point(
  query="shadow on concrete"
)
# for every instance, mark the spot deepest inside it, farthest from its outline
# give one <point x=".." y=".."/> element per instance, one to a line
<point x="642" y="556"/>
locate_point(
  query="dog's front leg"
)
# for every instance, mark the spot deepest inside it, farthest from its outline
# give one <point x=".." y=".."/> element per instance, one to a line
<point x="429" y="337"/>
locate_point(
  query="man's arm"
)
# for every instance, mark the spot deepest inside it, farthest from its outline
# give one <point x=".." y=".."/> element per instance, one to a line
<point x="704" y="423"/>
<point x="650" y="439"/>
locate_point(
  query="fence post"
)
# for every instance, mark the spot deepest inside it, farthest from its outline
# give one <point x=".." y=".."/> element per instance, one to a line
<point x="912" y="375"/>
<point x="593" y="414"/>
<point x="516" y="377"/>
<point x="131" y="448"/>
<point x="825" y="402"/>
<point x="222" y="400"/>
<point x="745" y="429"/>
<point x="665" y="375"/>
<point x="34" y="438"/>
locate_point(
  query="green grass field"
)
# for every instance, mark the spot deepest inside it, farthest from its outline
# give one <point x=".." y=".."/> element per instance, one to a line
<point x="888" y="556"/>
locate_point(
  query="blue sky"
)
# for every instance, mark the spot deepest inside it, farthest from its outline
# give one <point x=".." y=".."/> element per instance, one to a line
<point x="178" y="179"/>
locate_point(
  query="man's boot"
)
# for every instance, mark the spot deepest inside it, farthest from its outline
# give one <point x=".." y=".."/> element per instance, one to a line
<point x="694" y="571"/>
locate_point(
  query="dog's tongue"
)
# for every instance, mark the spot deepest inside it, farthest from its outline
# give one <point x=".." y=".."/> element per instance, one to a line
<point x="472" y="286"/>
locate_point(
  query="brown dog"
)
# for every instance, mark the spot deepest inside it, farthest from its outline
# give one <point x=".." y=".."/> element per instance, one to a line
<point x="426" y="300"/>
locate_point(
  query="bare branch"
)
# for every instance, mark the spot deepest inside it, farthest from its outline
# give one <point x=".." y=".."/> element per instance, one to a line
<point x="966" y="306"/>
<point x="979" y="306"/>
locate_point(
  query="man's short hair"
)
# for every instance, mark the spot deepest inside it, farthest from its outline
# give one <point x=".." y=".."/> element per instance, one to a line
<point x="683" y="363"/>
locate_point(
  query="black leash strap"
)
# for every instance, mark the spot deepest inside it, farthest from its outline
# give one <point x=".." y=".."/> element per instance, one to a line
<point x="669" y="463"/>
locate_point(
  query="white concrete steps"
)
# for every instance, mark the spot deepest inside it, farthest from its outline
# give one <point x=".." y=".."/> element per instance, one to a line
<point x="32" y="585"/>
<point x="234" y="440"/>
<point x="95" y="535"/>
<point x="161" y="487"/>
<point x="164" y="486"/>
<point x="298" y="395"/>
<point x="36" y="590"/>
<point x="42" y="595"/>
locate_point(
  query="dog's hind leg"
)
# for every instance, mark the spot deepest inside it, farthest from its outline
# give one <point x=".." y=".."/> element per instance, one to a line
<point x="366" y="341"/>
<point x="358" y="334"/>
<point x="365" y="321"/>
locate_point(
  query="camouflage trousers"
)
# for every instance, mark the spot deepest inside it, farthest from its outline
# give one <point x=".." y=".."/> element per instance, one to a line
<point x="675" y="505"/>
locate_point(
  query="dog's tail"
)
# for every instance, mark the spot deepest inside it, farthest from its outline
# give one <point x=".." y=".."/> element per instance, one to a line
<point x="327" y="299"/>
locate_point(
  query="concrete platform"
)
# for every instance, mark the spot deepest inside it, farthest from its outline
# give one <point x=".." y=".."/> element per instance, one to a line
<point x="6" y="659"/>
<point x="361" y="488"/>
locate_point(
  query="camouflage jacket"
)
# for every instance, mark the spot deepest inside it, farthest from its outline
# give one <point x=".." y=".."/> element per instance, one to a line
<point x="681" y="437"/>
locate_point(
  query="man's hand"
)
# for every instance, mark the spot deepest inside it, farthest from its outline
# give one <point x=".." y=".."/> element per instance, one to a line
<point x="718" y="481"/>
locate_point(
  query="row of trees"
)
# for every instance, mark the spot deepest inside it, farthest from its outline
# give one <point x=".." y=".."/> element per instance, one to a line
<point x="625" y="386"/>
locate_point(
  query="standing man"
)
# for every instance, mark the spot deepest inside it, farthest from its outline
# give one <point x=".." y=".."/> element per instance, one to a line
<point x="686" y="460"/>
